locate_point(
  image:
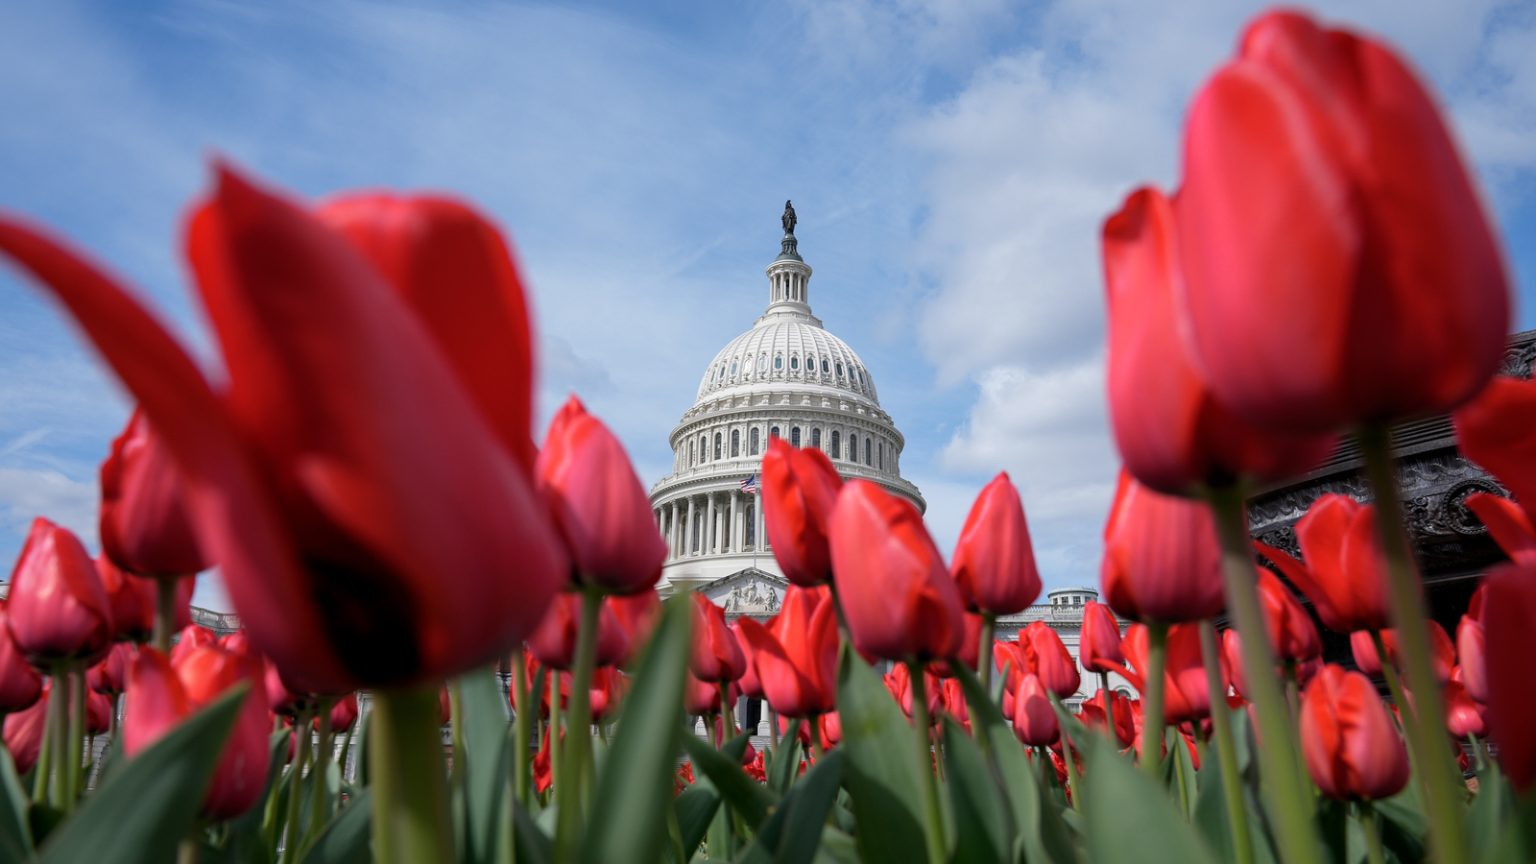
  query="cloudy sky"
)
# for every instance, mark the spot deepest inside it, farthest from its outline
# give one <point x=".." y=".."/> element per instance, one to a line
<point x="950" y="161"/>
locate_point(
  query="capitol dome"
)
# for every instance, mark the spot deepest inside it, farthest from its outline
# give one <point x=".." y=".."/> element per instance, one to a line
<point x="785" y="376"/>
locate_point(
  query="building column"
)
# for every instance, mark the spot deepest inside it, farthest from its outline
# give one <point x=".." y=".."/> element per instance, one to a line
<point x="708" y="546"/>
<point x="688" y="530"/>
<point x="758" y="536"/>
<point x="738" y="532"/>
<point x="672" y="530"/>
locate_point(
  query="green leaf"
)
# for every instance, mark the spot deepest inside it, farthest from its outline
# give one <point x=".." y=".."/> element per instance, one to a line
<point x="1210" y="813"/>
<point x="795" y="830"/>
<point x="487" y="766"/>
<point x="1036" y="821"/>
<point x="1491" y="809"/>
<point x="881" y="774"/>
<point x="15" y="833"/>
<point x="1404" y="830"/>
<point x="1180" y="770"/>
<point x="981" y="817"/>
<point x="151" y="803"/>
<point x="360" y="746"/>
<point x="694" y="808"/>
<point x="346" y="838"/>
<point x="723" y="768"/>
<point x="246" y="841"/>
<point x="784" y="760"/>
<point x="635" y="787"/>
<point x="1124" y="810"/>
<point x="532" y="844"/>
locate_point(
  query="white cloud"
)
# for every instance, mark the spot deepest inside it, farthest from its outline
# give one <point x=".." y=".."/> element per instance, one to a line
<point x="28" y="493"/>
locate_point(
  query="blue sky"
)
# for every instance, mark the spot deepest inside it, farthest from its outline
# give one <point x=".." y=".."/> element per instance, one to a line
<point x="950" y="161"/>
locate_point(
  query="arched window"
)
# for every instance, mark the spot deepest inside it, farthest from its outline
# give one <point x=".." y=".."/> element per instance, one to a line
<point x="693" y="456"/>
<point x="794" y="436"/>
<point x="778" y="361"/>
<point x="718" y="441"/>
<point x="825" y="369"/>
<point x="733" y="368"/>
<point x="773" y="432"/>
<point x="816" y="437"/>
<point x="839" y="370"/>
<point x="703" y="448"/>
<point x="837" y="445"/>
<point x="810" y="365"/>
<point x="735" y="443"/>
<point x="762" y="363"/>
<point x="698" y="528"/>
<point x="794" y="363"/>
<point x="853" y="447"/>
<point x="752" y="442"/>
<point x="882" y="455"/>
<point x="867" y="461"/>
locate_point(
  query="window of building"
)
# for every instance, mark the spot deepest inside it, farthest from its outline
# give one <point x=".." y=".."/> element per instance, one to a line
<point x="794" y="436"/>
<point x="882" y="455"/>
<point x="773" y="431"/>
<point x="778" y="361"/>
<point x="816" y="437"/>
<point x="751" y="522"/>
<point x="867" y="460"/>
<point x="752" y="442"/>
<point x="840" y="370"/>
<point x="703" y="448"/>
<point x="853" y="447"/>
<point x="735" y="443"/>
<point x="762" y="363"/>
<point x="794" y="363"/>
<point x="718" y="441"/>
<point x="733" y="367"/>
<point x="693" y="456"/>
<point x="837" y="445"/>
<point x="825" y="369"/>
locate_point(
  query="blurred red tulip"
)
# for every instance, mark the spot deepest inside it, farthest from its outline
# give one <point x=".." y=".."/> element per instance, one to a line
<point x="543" y="768"/>
<point x="1232" y="662"/>
<point x="796" y="659"/>
<point x="133" y="600"/>
<point x="599" y="504"/>
<point x="716" y="656"/>
<point x="1471" y="647"/>
<point x="1098" y="646"/>
<point x="1095" y="714"/>
<point x="1493" y="431"/>
<point x="952" y="702"/>
<point x="190" y="637"/>
<point x="145" y="526"/>
<point x="994" y="562"/>
<point x="355" y="554"/>
<point x="1348" y="740"/>
<point x="1174" y="434"/>
<point x="1185" y="695"/>
<point x="343" y="713"/>
<point x="110" y="676"/>
<point x="20" y="685"/>
<point x="1509" y="607"/>
<point x="1385" y="293"/>
<point x="969" y="652"/>
<point x="800" y="488"/>
<point x="831" y="729"/>
<point x="751" y="686"/>
<point x="282" y="699"/>
<point x="636" y="614"/>
<point x="1034" y="718"/>
<point x="1345" y="574"/>
<point x="1442" y="651"/>
<point x="703" y="697"/>
<point x="899" y="682"/>
<point x="1508" y="524"/>
<point x="1009" y="659"/>
<point x="23" y="732"/>
<point x="1161" y="558"/>
<point x="162" y="694"/>
<point x="897" y="596"/>
<point x="1288" y="625"/>
<point x="1463" y="716"/>
<point x="98" y="713"/>
<point x="1048" y="657"/>
<point x="58" y="609"/>
<point x="553" y="642"/>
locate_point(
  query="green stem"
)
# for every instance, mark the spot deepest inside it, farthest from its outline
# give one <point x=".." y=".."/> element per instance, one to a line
<point x="984" y="654"/>
<point x="165" y="614"/>
<point x="57" y="734"/>
<point x="75" y="752"/>
<point x="1178" y="769"/>
<point x="556" y="740"/>
<point x="935" y="819"/>
<point x="1479" y="753"/>
<point x="346" y="751"/>
<point x="1370" y="824"/>
<point x="1405" y="596"/>
<point x="319" y="813"/>
<point x="1109" y="709"/>
<point x="1066" y="756"/>
<point x="1226" y="752"/>
<point x="42" y="773"/>
<point x="1288" y="802"/>
<point x="301" y="745"/>
<point x="524" y="729"/>
<point x="1152" y="709"/>
<point x="578" y="744"/>
<point x="456" y="729"/>
<point x="410" y="793"/>
<point x="727" y="714"/>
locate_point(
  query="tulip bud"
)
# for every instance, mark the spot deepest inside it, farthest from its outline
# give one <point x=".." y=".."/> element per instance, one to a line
<point x="899" y="682"/>
<point x="1509" y="607"/>
<point x="716" y="657"/>
<point x="1049" y="659"/>
<point x="1471" y="642"/>
<point x="1289" y="627"/>
<point x="599" y="504"/>
<point x="796" y="659"/>
<point x="1161" y="557"/>
<point x="1098" y="646"/>
<point x="1034" y="718"/>
<point x="58" y="609"/>
<point x="636" y="614"/>
<point x="1185" y="694"/>
<point x="1442" y="651"/>
<point x="554" y="641"/>
<point x="23" y="732"/>
<point x="344" y="713"/>
<point x="1345" y="572"/>
<point x="110" y="676"/>
<point x="800" y="488"/>
<point x="1463" y="716"/>
<point x="20" y="685"/>
<point x="1349" y="742"/>
<point x="994" y="562"/>
<point x="896" y="593"/>
<point x="146" y="528"/>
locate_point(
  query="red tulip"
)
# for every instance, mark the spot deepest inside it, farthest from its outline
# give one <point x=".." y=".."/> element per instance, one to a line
<point x="1442" y="651"/>
<point x="751" y="686"/>
<point x="162" y="694"/>
<point x="1185" y="695"/>
<point x="190" y="637"/>
<point x="281" y="698"/>
<point x="994" y="563"/>
<point x="969" y="652"/>
<point x="1098" y="645"/>
<point x="553" y="642"/>
<point x="1508" y="524"/>
<point x="363" y="512"/>
<point x="1095" y="714"/>
<point x="1509" y="607"/>
<point x="1009" y="658"/>
<point x="897" y="596"/>
<point x="599" y="504"/>
<point x="133" y="600"/>
<point x="1174" y="435"/>
<point x="543" y="767"/>
<point x="57" y="607"/>
<point x="145" y="525"/>
<point x="636" y="614"/>
<point x="1161" y="558"/>
<point x="831" y="730"/>
<point x="952" y="702"/>
<point x="1463" y="716"/>
<point x="1348" y="740"/>
<point x="98" y="713"/>
<point x="1289" y="627"/>
<point x="1049" y="658"/>
<point x="796" y="659"/>
<point x="716" y="656"/>
<point x="1338" y="265"/>
<point x="1034" y="718"/>
<point x="1471" y="647"/>
<point x="899" y="682"/>
<point x="1492" y="430"/>
<point x="800" y="488"/>
<point x="703" y="697"/>
<point x="1345" y="573"/>
<point x="343" y="713"/>
<point x="110" y="676"/>
<point x="20" y="685"/>
<point x="23" y="732"/>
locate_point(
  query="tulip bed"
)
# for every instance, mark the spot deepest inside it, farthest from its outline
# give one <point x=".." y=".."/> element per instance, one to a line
<point x="364" y="476"/>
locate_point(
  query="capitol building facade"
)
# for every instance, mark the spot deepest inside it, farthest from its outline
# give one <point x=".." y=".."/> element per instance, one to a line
<point x="786" y="376"/>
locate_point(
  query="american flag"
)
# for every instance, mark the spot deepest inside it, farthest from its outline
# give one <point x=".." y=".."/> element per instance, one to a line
<point x="749" y="485"/>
